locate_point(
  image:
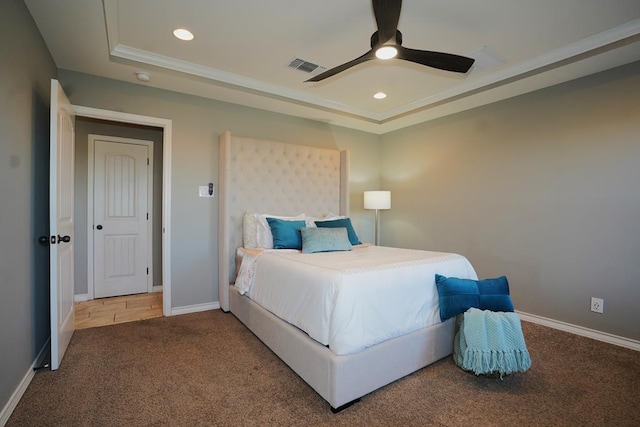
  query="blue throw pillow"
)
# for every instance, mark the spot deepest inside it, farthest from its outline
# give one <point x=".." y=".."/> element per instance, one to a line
<point x="456" y="295"/>
<point x="494" y="294"/>
<point x="324" y="240"/>
<point x="459" y="295"/>
<point x="286" y="234"/>
<point x="339" y="223"/>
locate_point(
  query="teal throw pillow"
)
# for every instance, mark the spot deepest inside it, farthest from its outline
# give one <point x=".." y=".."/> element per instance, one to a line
<point x="456" y="295"/>
<point x="286" y="234"/>
<point x="494" y="294"/>
<point x="339" y="223"/>
<point x="459" y="295"/>
<point x="324" y="240"/>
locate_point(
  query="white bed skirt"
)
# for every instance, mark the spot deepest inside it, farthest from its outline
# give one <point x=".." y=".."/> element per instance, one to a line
<point x="342" y="379"/>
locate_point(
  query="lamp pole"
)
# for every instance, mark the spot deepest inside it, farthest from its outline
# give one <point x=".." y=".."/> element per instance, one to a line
<point x="376" y="230"/>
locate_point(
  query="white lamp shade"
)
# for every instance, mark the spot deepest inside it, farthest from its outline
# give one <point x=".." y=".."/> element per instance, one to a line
<point x="377" y="199"/>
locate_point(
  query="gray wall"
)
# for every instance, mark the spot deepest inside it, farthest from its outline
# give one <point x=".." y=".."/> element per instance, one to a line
<point x="84" y="127"/>
<point x="544" y="188"/>
<point x="25" y="72"/>
<point x="197" y="124"/>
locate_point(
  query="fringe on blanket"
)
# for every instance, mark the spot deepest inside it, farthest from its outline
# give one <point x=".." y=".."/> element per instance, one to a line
<point x="489" y="342"/>
<point x="488" y="362"/>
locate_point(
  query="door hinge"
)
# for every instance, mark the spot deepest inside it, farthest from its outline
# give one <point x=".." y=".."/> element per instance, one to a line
<point x="147" y="271"/>
<point x="147" y="216"/>
<point x="147" y="161"/>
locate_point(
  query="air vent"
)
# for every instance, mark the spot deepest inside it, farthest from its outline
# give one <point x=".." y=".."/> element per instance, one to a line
<point x="306" y="66"/>
<point x="486" y="59"/>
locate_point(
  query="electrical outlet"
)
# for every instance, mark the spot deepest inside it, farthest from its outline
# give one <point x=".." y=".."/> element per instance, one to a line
<point x="597" y="305"/>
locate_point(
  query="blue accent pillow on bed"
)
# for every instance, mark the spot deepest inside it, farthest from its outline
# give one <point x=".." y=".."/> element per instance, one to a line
<point x="458" y="295"/>
<point x="339" y="223"/>
<point x="324" y="240"/>
<point x="286" y="234"/>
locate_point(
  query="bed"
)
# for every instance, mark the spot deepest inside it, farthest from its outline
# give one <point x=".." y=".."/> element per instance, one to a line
<point x="283" y="179"/>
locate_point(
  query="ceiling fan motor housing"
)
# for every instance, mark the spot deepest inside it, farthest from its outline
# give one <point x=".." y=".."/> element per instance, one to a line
<point x="375" y="40"/>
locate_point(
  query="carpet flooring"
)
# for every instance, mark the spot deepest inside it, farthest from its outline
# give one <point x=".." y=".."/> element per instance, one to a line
<point x="207" y="369"/>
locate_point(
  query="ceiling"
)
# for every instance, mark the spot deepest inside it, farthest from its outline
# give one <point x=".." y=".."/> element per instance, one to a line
<point x="242" y="50"/>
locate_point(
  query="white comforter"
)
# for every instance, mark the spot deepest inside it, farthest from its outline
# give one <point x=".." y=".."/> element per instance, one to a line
<point x="350" y="300"/>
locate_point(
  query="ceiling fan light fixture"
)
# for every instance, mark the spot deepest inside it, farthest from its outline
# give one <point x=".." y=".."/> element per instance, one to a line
<point x="386" y="52"/>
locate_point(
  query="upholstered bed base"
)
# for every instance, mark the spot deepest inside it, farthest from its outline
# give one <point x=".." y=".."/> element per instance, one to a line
<point x="342" y="379"/>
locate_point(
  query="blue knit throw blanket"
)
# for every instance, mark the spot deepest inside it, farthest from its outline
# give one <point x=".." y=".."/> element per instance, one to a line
<point x="491" y="342"/>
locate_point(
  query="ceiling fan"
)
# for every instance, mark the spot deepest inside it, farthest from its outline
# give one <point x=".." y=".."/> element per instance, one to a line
<point x="386" y="43"/>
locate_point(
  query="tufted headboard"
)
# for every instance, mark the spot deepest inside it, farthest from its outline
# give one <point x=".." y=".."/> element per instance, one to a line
<point x="276" y="178"/>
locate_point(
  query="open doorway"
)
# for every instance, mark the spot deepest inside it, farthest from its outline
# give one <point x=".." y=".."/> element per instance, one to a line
<point x="124" y="125"/>
<point x="115" y="134"/>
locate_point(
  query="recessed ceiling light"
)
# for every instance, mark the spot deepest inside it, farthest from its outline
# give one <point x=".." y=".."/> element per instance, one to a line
<point x="183" y="34"/>
<point x="380" y="95"/>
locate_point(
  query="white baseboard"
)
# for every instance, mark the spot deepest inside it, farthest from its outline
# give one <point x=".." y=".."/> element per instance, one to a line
<point x="195" y="308"/>
<point x="81" y="297"/>
<point x="87" y="297"/>
<point x="22" y="387"/>
<point x="579" y="330"/>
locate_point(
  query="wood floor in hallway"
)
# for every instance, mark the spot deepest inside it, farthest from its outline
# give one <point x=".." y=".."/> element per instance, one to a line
<point x="109" y="311"/>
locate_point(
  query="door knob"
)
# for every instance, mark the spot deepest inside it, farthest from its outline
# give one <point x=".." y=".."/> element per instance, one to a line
<point x="43" y="240"/>
<point x="65" y="239"/>
<point x="99" y="227"/>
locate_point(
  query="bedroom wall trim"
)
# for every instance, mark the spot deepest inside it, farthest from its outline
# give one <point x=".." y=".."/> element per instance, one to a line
<point x="187" y="309"/>
<point x="8" y="409"/>
<point x="582" y="331"/>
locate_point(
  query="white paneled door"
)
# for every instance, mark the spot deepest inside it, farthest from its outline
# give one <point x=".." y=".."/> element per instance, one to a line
<point x="61" y="175"/>
<point x="120" y="219"/>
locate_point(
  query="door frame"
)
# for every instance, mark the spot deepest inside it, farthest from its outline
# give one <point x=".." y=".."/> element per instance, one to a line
<point x="90" y="202"/>
<point x="166" y="126"/>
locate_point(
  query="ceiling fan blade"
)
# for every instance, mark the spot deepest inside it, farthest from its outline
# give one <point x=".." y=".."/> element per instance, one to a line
<point x="366" y="57"/>
<point x="387" y="13"/>
<point x="443" y="61"/>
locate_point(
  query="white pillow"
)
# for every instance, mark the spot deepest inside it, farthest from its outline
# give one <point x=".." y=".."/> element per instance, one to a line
<point x="256" y="232"/>
<point x="264" y="236"/>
